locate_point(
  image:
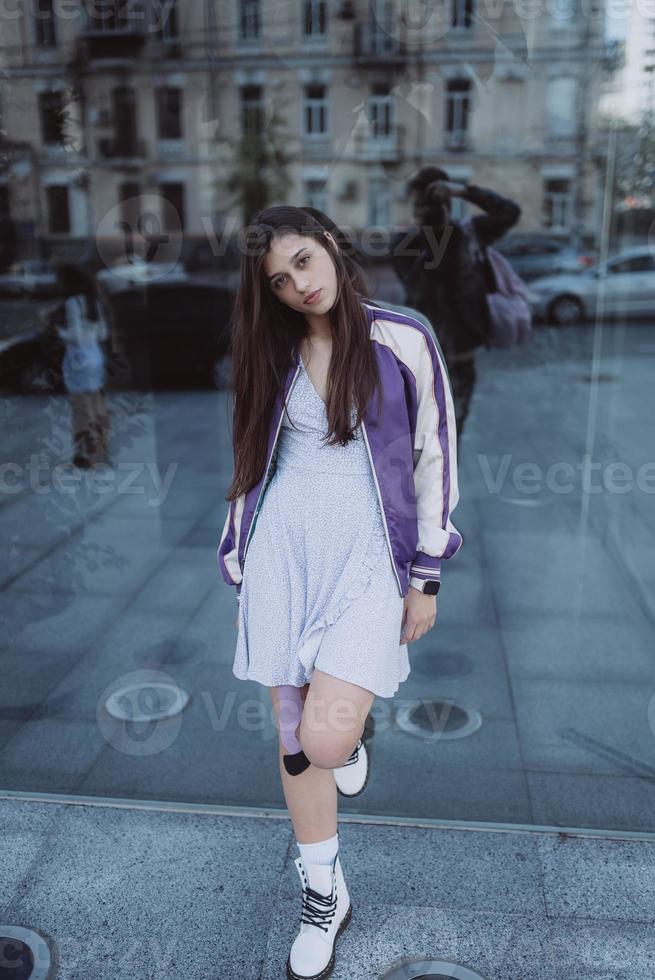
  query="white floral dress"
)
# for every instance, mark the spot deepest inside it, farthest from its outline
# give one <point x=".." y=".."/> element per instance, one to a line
<point x="318" y="586"/>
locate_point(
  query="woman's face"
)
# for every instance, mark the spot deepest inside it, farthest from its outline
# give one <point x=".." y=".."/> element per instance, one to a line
<point x="296" y="266"/>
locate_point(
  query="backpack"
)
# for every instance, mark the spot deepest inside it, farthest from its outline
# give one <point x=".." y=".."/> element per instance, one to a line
<point x="510" y="316"/>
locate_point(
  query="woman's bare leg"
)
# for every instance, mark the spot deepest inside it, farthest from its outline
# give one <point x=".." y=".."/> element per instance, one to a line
<point x="333" y="719"/>
<point x="311" y="797"/>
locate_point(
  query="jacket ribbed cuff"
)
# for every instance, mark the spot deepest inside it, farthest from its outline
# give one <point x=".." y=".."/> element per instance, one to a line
<point x="425" y="567"/>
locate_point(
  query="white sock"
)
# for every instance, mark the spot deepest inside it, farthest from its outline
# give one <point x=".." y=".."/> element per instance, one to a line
<point x="323" y="852"/>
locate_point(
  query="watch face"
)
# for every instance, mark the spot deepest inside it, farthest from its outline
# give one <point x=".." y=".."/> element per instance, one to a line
<point x="431" y="588"/>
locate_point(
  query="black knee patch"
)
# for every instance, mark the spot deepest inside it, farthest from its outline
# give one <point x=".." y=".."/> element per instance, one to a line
<point x="296" y="763"/>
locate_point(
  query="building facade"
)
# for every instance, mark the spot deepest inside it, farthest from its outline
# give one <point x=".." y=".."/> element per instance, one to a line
<point x="107" y="104"/>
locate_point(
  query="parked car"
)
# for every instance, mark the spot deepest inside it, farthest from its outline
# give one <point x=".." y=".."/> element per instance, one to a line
<point x="126" y="274"/>
<point x="171" y="334"/>
<point x="538" y="255"/>
<point x="31" y="362"/>
<point x="32" y="278"/>
<point x="624" y="284"/>
<point x="163" y="334"/>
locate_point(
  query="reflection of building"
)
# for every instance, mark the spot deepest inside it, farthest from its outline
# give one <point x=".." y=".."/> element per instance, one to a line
<point x="128" y="99"/>
<point x="633" y="87"/>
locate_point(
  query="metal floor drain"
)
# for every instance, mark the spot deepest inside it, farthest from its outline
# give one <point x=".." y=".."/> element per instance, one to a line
<point x="24" y="954"/>
<point x="146" y="701"/>
<point x="434" y="719"/>
<point x="430" y="970"/>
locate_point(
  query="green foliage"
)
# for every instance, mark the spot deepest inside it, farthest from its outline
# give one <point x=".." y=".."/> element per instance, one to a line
<point x="259" y="168"/>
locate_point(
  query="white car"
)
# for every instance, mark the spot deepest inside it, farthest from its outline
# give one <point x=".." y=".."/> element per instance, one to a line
<point x="34" y="277"/>
<point x="128" y="274"/>
<point x="624" y="284"/>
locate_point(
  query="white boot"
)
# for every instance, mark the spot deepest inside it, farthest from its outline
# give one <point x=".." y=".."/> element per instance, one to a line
<point x="326" y="912"/>
<point x="351" y="778"/>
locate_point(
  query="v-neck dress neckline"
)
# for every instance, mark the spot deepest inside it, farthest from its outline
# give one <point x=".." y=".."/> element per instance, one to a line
<point x="311" y="383"/>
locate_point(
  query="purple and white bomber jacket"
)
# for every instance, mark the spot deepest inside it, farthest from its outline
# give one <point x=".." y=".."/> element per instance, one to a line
<point x="412" y="447"/>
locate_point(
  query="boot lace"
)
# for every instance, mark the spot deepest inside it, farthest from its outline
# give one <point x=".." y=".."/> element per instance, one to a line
<point x="354" y="755"/>
<point x="317" y="909"/>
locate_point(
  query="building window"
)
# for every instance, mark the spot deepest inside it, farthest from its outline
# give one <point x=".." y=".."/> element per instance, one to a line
<point x="558" y="203"/>
<point x="560" y="106"/>
<point x="169" y="113"/>
<point x="462" y="13"/>
<point x="129" y="199"/>
<point x="315" y="194"/>
<point x="249" y="19"/>
<point x="167" y="29"/>
<point x="58" y="209"/>
<point x="315" y="110"/>
<point x="174" y="194"/>
<point x="252" y="110"/>
<point x="565" y="15"/>
<point x="314" y="18"/>
<point x="380" y="114"/>
<point x="382" y="28"/>
<point x="51" y="113"/>
<point x="458" y="105"/>
<point x="124" y="115"/>
<point x="379" y="202"/>
<point x="44" y="24"/>
<point x="458" y="206"/>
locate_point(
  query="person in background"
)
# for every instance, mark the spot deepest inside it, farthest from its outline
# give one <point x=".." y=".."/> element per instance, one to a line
<point x="441" y="275"/>
<point x="83" y="329"/>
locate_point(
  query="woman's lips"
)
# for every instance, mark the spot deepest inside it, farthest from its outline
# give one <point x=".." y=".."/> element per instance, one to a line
<point x="312" y="297"/>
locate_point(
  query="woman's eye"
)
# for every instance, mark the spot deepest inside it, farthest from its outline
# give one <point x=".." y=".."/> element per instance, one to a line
<point x="278" y="282"/>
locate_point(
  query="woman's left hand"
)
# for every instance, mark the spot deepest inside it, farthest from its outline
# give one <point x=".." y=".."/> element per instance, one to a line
<point x="419" y="614"/>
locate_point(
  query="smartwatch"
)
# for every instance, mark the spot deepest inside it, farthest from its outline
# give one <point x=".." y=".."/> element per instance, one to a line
<point x="426" y="586"/>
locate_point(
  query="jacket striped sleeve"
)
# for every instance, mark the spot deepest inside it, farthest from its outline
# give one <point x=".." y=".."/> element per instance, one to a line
<point x="227" y="554"/>
<point x="435" y="464"/>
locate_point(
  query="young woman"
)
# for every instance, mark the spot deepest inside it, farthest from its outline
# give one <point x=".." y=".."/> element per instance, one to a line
<point x="339" y="518"/>
<point x="83" y="367"/>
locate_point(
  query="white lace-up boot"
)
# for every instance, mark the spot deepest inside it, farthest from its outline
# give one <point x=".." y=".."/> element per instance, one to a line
<point x="326" y="912"/>
<point x="351" y="778"/>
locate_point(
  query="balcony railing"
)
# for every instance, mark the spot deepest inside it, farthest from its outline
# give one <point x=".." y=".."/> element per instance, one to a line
<point x="457" y="139"/>
<point x="114" y="18"/>
<point x="111" y="31"/>
<point x="316" y="147"/>
<point x="374" y="45"/>
<point x="171" y="149"/>
<point x="167" y="47"/>
<point x="111" y="148"/>
<point x="371" y="146"/>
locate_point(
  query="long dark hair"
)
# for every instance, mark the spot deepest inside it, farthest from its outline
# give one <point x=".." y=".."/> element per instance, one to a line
<point x="353" y="258"/>
<point x="75" y="280"/>
<point x="265" y="332"/>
